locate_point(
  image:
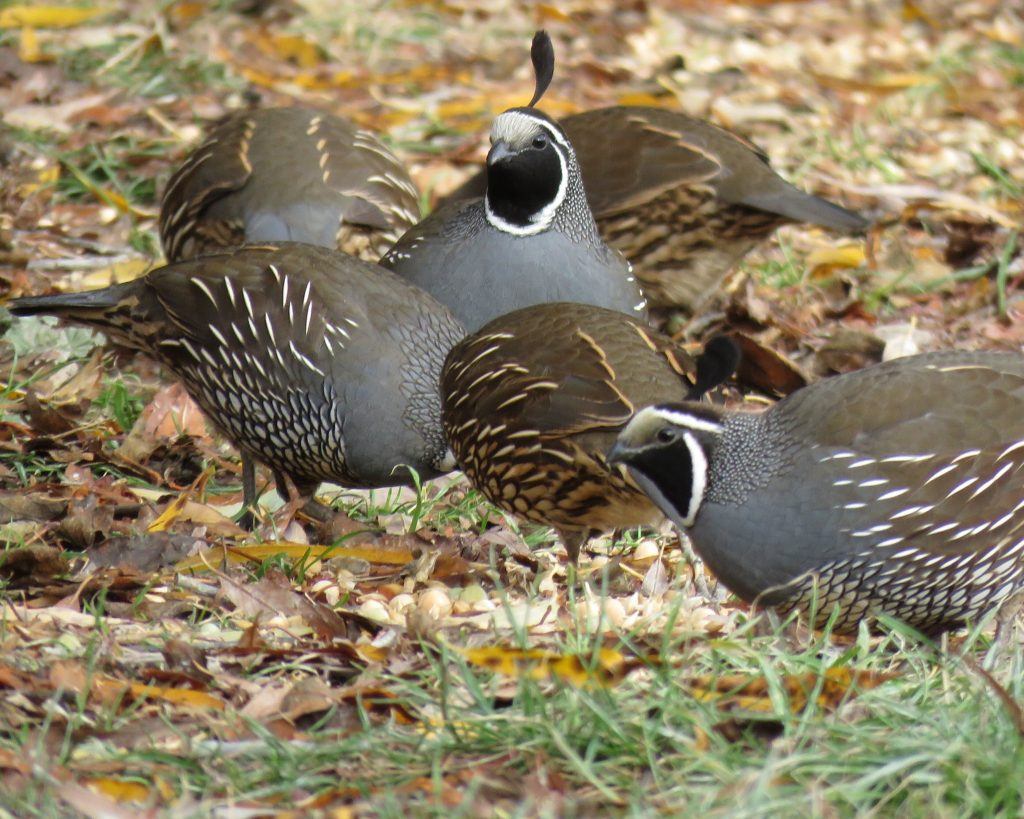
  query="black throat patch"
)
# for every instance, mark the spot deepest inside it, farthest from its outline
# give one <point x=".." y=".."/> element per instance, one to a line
<point x="668" y="474"/>
<point x="522" y="185"/>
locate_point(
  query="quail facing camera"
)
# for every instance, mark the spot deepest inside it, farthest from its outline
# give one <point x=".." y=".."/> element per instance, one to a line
<point x="530" y="238"/>
<point x="682" y="199"/>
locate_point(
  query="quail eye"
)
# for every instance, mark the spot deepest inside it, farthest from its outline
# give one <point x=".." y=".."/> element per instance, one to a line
<point x="666" y="435"/>
<point x="539" y="141"/>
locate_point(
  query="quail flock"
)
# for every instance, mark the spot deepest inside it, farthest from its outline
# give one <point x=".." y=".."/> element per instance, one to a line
<point x="506" y="334"/>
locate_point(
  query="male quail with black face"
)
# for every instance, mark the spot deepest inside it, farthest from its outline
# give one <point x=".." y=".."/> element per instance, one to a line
<point x="287" y="174"/>
<point x="532" y="402"/>
<point x="531" y="239"/>
<point x="682" y="199"/>
<point x="896" y="489"/>
<point x="320" y="365"/>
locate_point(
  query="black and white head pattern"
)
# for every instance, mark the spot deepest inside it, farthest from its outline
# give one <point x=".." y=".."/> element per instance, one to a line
<point x="530" y="170"/>
<point x="666" y="449"/>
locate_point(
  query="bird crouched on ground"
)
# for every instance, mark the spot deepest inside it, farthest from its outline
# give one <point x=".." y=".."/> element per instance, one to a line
<point x="320" y="365"/>
<point x="896" y="490"/>
<point x="532" y="402"/>
<point x="530" y="239"/>
<point x="287" y="174"/>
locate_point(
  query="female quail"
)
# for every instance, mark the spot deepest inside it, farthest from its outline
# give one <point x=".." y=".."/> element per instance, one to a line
<point x="682" y="199"/>
<point x="531" y="239"/>
<point x="320" y="365"/>
<point x="531" y="403"/>
<point x="287" y="174"/>
<point x="896" y="489"/>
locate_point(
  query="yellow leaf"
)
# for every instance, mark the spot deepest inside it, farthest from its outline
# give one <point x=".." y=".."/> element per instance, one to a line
<point x="28" y="48"/>
<point x="297" y="49"/>
<point x="540" y="664"/>
<point x="296" y="551"/>
<point x="828" y="259"/>
<point x="912" y="12"/>
<point x="651" y="100"/>
<point x="46" y="177"/>
<point x="736" y="692"/>
<point x="178" y="696"/>
<point x="185" y="12"/>
<point x="120" y="790"/>
<point x="49" y="16"/>
<point x="111" y="197"/>
<point x="882" y="85"/>
<point x="547" y="11"/>
<point x="474" y="106"/>
<point x="117" y="273"/>
<point x="170" y="514"/>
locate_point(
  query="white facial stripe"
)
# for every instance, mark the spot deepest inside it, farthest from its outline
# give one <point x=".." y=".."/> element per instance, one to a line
<point x="515" y="127"/>
<point x="699" y="462"/>
<point x="682" y="419"/>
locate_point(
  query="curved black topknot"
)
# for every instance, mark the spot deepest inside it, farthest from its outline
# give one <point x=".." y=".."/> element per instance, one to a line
<point x="542" y="52"/>
<point x="715" y="365"/>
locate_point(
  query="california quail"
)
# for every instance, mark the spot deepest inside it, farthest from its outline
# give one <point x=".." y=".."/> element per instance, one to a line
<point x="322" y="366"/>
<point x="531" y="403"/>
<point x="682" y="199"/>
<point x="287" y="174"/>
<point x="896" y="489"/>
<point x="531" y="239"/>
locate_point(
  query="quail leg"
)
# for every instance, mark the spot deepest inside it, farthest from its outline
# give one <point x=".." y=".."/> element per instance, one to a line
<point x="299" y="497"/>
<point x="573" y="540"/>
<point x="700" y="581"/>
<point x="247" y="520"/>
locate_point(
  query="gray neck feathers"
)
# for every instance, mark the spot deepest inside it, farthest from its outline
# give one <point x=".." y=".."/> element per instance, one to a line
<point x="747" y="456"/>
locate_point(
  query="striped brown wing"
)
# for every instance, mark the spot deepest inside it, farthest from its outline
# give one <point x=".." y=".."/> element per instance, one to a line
<point x="630" y="156"/>
<point x="288" y="174"/>
<point x="532" y="402"/>
<point x="217" y="167"/>
<point x="929" y="505"/>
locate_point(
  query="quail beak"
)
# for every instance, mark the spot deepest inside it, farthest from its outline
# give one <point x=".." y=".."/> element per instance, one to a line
<point x="617" y="453"/>
<point x="499" y="151"/>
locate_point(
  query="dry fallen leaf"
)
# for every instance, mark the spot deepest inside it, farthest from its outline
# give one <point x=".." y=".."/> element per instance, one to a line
<point x="43" y="16"/>
<point x="738" y="693"/>
<point x="296" y="551"/>
<point x="607" y="668"/>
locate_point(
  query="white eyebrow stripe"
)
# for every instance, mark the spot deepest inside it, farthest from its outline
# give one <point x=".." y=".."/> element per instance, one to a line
<point x="684" y="419"/>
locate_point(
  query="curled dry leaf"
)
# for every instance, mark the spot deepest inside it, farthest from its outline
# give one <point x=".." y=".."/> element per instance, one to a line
<point x="766" y="369"/>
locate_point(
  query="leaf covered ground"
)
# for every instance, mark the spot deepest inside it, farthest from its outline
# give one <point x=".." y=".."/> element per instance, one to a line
<point x="423" y="653"/>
